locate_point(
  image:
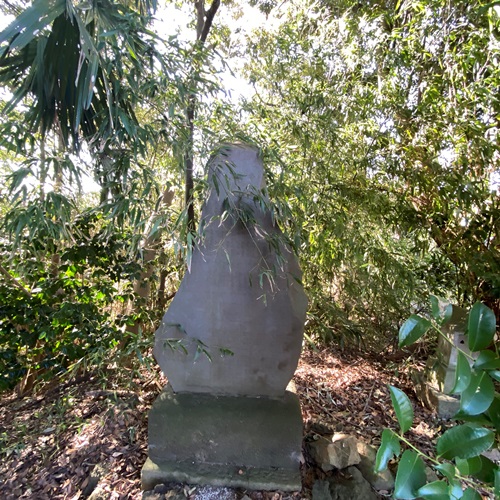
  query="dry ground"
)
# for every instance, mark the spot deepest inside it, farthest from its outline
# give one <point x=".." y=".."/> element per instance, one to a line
<point x="61" y="441"/>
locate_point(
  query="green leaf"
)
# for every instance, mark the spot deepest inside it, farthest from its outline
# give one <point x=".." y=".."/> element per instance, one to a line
<point x="446" y="469"/>
<point x="493" y="412"/>
<point x="435" y="309"/>
<point x="481" y="468"/>
<point x="462" y="375"/>
<point x="455" y="489"/>
<point x="441" y="310"/>
<point x="410" y="476"/>
<point x="495" y="374"/>
<point x="464" y="465"/>
<point x="225" y="352"/>
<point x="481" y="327"/>
<point x="478" y="396"/>
<point x="31" y="21"/>
<point x="497" y="482"/>
<point x="412" y="329"/>
<point x="437" y="490"/>
<point x="402" y="407"/>
<point x="389" y="448"/>
<point x="487" y="360"/>
<point x="471" y="494"/>
<point x="464" y="441"/>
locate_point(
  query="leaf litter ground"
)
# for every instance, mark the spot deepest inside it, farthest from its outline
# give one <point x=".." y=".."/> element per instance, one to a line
<point x="81" y="437"/>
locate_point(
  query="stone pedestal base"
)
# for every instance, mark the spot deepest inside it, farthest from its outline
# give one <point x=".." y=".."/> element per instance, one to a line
<point x="252" y="443"/>
<point x="443" y="404"/>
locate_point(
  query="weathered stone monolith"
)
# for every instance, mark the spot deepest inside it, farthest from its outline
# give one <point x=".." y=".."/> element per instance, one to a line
<point x="434" y="386"/>
<point x="230" y="343"/>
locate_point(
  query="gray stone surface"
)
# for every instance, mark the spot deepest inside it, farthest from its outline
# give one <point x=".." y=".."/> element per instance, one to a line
<point x="442" y="365"/>
<point x="434" y="386"/>
<point x="177" y="491"/>
<point x="383" y="480"/>
<point x="338" y="452"/>
<point x="226" y="302"/>
<point x="321" y="490"/>
<point x="351" y="486"/>
<point x="230" y="421"/>
<point x="219" y="476"/>
<point x="224" y="441"/>
<point x="443" y="404"/>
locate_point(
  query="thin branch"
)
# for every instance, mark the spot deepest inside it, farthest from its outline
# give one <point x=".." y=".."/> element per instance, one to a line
<point x="13" y="280"/>
<point x="209" y="17"/>
<point x="200" y="17"/>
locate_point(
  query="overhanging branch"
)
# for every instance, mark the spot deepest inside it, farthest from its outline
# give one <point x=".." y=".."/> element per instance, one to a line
<point x="209" y="17"/>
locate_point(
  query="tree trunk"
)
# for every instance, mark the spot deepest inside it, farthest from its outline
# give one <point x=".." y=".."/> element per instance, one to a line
<point x="142" y="287"/>
<point x="204" y="19"/>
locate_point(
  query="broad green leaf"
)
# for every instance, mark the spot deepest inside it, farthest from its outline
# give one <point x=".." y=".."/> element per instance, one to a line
<point x="446" y="469"/>
<point x="478" y="396"/>
<point x="487" y="360"/>
<point x="455" y="489"/>
<point x="471" y="494"/>
<point x="493" y="412"/>
<point x="495" y="374"/>
<point x="481" y="327"/>
<point x="412" y="329"/>
<point x="482" y="468"/>
<point x="469" y="466"/>
<point x="402" y="407"/>
<point x="441" y="310"/>
<point x="437" y="490"/>
<point x="410" y="476"/>
<point x="389" y="448"/>
<point x="477" y="420"/>
<point x="464" y="441"/>
<point x="462" y="375"/>
<point x="435" y="309"/>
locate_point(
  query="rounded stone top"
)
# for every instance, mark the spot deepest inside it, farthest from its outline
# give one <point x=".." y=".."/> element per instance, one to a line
<point x="235" y="325"/>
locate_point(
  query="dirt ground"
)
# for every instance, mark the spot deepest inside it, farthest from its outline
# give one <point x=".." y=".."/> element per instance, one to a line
<point x="65" y="439"/>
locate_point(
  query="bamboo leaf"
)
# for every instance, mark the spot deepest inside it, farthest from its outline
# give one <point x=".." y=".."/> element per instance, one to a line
<point x="31" y="22"/>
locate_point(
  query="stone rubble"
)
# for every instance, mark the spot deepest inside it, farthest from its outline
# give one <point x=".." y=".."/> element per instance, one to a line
<point x="379" y="480"/>
<point x="338" y="452"/>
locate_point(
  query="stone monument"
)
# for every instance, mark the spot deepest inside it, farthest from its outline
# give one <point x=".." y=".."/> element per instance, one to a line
<point x="434" y="386"/>
<point x="229" y="344"/>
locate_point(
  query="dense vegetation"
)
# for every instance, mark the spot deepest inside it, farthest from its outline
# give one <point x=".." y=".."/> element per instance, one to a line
<point x="378" y="122"/>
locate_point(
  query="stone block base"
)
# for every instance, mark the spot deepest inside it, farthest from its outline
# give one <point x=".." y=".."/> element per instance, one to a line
<point x="154" y="473"/>
<point x="246" y="442"/>
<point x="443" y="404"/>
